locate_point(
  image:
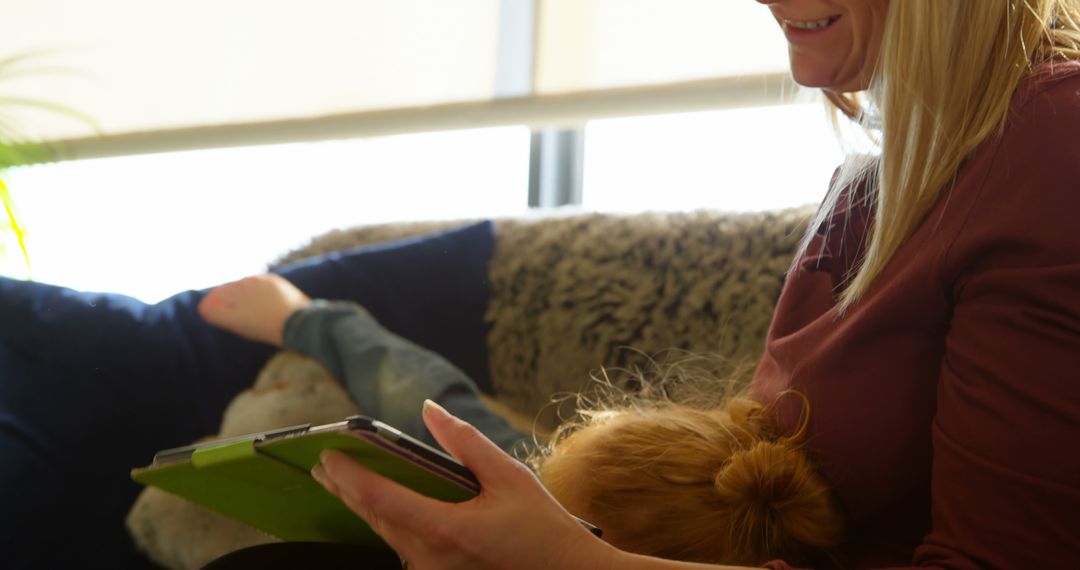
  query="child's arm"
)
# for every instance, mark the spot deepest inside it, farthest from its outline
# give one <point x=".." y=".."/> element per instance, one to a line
<point x="388" y="376"/>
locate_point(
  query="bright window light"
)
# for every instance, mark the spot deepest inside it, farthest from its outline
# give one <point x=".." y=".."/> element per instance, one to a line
<point x="153" y="225"/>
<point x="750" y="159"/>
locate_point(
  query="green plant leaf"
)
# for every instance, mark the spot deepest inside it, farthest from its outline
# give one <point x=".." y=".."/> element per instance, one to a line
<point x="18" y="65"/>
<point x="15" y="60"/>
<point x="15" y="147"/>
<point x="26" y="153"/>
<point x="50" y="107"/>
<point x="10" y="132"/>
<point x="15" y="151"/>
<point x="13" y="224"/>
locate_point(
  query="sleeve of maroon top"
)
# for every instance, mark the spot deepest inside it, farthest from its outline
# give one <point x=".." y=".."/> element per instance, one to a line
<point x="1005" y="482"/>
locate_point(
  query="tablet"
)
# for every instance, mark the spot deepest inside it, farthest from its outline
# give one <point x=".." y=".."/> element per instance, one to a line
<point x="264" y="479"/>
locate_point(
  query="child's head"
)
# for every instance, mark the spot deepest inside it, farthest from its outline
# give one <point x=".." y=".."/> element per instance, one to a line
<point x="688" y="484"/>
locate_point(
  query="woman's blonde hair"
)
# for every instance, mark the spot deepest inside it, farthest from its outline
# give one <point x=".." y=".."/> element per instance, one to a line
<point x="684" y="483"/>
<point x="943" y="82"/>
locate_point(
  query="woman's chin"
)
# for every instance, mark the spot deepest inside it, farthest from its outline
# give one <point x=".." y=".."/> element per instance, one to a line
<point x="827" y="79"/>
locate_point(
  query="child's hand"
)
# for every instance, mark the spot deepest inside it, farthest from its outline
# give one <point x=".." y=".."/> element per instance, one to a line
<point x="254" y="307"/>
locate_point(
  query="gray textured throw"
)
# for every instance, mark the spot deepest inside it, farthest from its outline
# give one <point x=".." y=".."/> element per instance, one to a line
<point x="571" y="294"/>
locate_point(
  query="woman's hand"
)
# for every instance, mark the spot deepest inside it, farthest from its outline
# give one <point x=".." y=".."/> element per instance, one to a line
<point x="512" y="523"/>
<point x="254" y="307"/>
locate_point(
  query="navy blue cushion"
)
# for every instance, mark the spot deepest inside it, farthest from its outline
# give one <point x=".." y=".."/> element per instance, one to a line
<point x="431" y="289"/>
<point x="92" y="384"/>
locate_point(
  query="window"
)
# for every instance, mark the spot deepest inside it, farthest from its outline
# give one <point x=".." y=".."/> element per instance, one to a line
<point x="736" y="160"/>
<point x="152" y="225"/>
<point x="460" y="76"/>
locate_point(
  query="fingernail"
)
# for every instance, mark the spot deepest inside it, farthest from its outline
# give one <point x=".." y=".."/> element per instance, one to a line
<point x="324" y="456"/>
<point x="318" y="473"/>
<point x="431" y="407"/>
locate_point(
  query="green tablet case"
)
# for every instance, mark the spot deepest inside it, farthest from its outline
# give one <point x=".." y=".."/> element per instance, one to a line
<point x="267" y="484"/>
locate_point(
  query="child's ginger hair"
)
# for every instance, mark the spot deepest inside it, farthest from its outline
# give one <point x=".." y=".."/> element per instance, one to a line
<point x="698" y="485"/>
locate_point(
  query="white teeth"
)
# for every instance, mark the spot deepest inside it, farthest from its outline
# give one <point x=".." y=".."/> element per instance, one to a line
<point x="814" y="25"/>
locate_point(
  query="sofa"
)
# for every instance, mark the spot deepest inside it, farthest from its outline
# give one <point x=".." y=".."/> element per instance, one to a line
<point x="562" y="304"/>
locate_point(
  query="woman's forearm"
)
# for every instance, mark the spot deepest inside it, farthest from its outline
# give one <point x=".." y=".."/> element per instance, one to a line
<point x="627" y="561"/>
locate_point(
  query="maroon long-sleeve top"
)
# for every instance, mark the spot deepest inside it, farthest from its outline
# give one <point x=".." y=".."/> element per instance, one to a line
<point x="945" y="405"/>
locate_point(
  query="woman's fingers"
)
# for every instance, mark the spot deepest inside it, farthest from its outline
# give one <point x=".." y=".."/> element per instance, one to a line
<point x="473" y="534"/>
<point x="491" y="465"/>
<point x="407" y="543"/>
<point x="382" y="503"/>
<point x="319" y="474"/>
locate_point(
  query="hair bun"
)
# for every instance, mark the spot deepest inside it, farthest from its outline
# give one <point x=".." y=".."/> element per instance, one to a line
<point x="779" y="499"/>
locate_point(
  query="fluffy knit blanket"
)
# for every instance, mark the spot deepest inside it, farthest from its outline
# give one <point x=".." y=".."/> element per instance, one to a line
<point x="569" y="294"/>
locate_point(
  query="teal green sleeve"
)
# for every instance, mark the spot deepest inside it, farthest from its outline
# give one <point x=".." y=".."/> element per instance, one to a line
<point x="388" y="376"/>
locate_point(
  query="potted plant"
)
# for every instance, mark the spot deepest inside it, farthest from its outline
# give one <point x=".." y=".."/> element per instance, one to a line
<point x="16" y="149"/>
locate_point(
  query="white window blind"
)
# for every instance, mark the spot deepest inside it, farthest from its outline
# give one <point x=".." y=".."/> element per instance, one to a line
<point x="596" y="44"/>
<point x="147" y="65"/>
<point x="195" y="75"/>
<point x="265" y="71"/>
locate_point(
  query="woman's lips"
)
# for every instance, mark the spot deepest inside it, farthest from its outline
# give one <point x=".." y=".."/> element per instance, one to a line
<point x="808" y="31"/>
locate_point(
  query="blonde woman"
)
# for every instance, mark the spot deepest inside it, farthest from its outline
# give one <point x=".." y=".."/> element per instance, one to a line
<point x="932" y="321"/>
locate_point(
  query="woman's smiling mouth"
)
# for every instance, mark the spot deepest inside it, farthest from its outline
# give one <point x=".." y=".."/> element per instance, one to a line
<point x="810" y="25"/>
